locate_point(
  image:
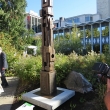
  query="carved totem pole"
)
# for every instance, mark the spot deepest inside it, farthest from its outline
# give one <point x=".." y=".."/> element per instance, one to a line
<point x="47" y="75"/>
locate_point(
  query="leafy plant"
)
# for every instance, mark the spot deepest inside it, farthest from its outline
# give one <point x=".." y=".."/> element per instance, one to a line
<point x="82" y="100"/>
<point x="69" y="44"/>
<point x="72" y="106"/>
<point x="12" y="54"/>
<point x="28" y="69"/>
<point x="12" y="17"/>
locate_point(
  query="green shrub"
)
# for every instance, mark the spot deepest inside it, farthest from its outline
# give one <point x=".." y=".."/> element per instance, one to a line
<point x="66" y="46"/>
<point x="38" y="43"/>
<point x="69" y="43"/>
<point x="28" y="69"/>
<point x="12" y="54"/>
<point x="61" y="67"/>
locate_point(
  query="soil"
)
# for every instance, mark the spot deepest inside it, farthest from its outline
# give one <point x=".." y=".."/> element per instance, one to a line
<point x="80" y="101"/>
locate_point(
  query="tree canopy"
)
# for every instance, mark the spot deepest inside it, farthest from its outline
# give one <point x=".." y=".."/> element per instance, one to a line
<point x="12" y="15"/>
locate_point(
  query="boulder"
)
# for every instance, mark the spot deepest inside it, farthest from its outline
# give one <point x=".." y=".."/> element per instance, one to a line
<point x="77" y="82"/>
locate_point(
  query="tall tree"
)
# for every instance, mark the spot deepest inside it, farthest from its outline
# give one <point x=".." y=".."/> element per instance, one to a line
<point x="12" y="15"/>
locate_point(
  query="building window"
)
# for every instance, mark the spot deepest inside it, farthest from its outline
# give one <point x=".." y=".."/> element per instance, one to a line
<point x="35" y="28"/>
<point x="66" y="20"/>
<point x="76" y="20"/>
<point x="87" y="18"/>
<point x="39" y="20"/>
<point x="56" y="24"/>
<point x="28" y="18"/>
<point x="28" y="21"/>
<point x="91" y="18"/>
<point x="32" y="20"/>
<point x="36" y="21"/>
<point x="39" y="28"/>
<point x="69" y="20"/>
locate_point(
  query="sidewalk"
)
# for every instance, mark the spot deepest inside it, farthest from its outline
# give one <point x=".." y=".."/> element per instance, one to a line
<point x="7" y="97"/>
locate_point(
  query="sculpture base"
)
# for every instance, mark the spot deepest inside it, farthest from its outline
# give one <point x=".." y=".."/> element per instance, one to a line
<point x="48" y="83"/>
<point x="48" y="102"/>
<point x="48" y="96"/>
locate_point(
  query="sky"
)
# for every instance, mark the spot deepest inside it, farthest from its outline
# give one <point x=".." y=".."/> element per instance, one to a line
<point x="65" y="8"/>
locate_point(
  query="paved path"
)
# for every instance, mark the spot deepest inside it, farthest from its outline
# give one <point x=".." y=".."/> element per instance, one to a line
<point x="7" y="97"/>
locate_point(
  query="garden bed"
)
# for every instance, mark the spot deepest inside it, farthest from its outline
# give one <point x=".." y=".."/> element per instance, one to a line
<point x="87" y="101"/>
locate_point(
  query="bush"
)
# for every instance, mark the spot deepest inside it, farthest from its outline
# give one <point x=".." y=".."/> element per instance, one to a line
<point x="62" y="67"/>
<point x="12" y="54"/>
<point x="69" y="43"/>
<point x="66" y="47"/>
<point x="28" y="69"/>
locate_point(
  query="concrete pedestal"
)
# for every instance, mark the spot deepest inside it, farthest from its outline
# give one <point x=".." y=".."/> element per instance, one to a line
<point x="48" y="102"/>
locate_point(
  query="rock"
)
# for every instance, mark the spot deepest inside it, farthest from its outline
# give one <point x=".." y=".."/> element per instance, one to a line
<point x="77" y="82"/>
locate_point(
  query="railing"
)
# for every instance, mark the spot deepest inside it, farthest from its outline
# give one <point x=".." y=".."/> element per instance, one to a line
<point x="96" y="40"/>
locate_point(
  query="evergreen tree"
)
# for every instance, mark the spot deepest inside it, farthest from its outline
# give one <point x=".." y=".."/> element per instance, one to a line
<point x="12" y="15"/>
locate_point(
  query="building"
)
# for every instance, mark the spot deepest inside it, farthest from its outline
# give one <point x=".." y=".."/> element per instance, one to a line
<point x="100" y="20"/>
<point x="103" y="8"/>
<point x="99" y="40"/>
<point x="103" y="12"/>
<point x="62" y="22"/>
<point x="33" y="21"/>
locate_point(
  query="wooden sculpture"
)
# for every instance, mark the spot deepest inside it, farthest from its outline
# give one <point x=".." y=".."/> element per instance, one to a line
<point x="47" y="75"/>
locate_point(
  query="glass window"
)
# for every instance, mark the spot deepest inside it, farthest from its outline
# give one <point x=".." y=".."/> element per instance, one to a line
<point x="28" y="18"/>
<point x="88" y="18"/>
<point x="39" y="28"/>
<point x="91" y="18"/>
<point x="36" y="28"/>
<point x="39" y="20"/>
<point x="32" y="20"/>
<point x="56" y="24"/>
<point x="76" y="20"/>
<point x="36" y="21"/>
<point x="65" y="20"/>
<point x="69" y="20"/>
<point x="28" y="21"/>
